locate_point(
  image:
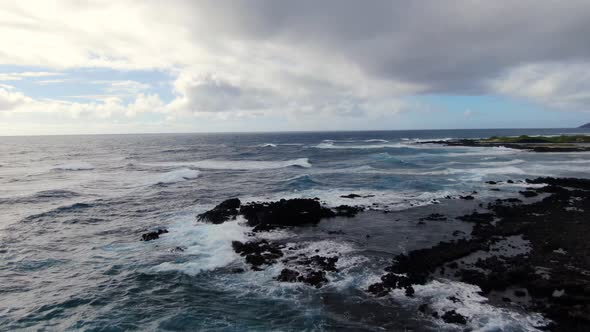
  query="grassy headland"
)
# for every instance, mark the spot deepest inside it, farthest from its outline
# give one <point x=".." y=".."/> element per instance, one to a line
<point x="538" y="139"/>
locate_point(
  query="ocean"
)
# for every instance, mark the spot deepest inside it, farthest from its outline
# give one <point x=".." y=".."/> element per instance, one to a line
<point x="73" y="209"/>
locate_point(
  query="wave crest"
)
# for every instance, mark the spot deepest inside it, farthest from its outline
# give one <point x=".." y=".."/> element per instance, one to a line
<point x="74" y="166"/>
<point x="178" y="175"/>
<point x="238" y="164"/>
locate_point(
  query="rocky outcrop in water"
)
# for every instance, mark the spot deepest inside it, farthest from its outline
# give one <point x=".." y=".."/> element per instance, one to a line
<point x="223" y="212"/>
<point x="258" y="253"/>
<point x="153" y="235"/>
<point x="265" y="216"/>
<point x="292" y="212"/>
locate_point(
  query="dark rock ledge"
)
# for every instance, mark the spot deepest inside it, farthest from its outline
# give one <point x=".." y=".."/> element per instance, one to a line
<point x="532" y="146"/>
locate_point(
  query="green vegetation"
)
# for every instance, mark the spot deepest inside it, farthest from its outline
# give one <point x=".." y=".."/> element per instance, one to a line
<point x="538" y="139"/>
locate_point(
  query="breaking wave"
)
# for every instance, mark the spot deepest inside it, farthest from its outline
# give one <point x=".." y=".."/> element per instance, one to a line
<point x="178" y="175"/>
<point x="237" y="164"/>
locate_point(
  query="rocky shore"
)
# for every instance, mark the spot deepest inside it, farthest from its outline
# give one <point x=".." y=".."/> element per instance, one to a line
<point x="532" y="144"/>
<point x="552" y="274"/>
<point x="530" y="254"/>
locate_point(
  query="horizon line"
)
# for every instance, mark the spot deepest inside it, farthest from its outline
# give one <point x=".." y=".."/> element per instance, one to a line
<point x="282" y="132"/>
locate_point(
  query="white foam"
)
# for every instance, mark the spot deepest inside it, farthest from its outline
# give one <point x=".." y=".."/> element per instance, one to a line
<point x="557" y="168"/>
<point x="476" y="173"/>
<point x="384" y="200"/>
<point x="331" y="145"/>
<point x="502" y="163"/>
<point x="377" y="141"/>
<point x="178" y="175"/>
<point x="74" y="166"/>
<point x="492" y="151"/>
<point x="481" y="315"/>
<point x="236" y="164"/>
<point x="209" y="245"/>
<point x="574" y="161"/>
<point x="268" y="145"/>
<point x="420" y="140"/>
<point x="480" y="173"/>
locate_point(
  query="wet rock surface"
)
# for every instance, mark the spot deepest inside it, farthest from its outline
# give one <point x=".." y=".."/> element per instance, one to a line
<point x="477" y="217"/>
<point x="258" y="253"/>
<point x="153" y="235"/>
<point x="528" y="193"/>
<point x="310" y="277"/>
<point x="310" y="270"/>
<point x="266" y="216"/>
<point x="347" y="211"/>
<point x="434" y="217"/>
<point x="452" y="317"/>
<point x="554" y="271"/>
<point x="292" y="212"/>
<point x="223" y="212"/>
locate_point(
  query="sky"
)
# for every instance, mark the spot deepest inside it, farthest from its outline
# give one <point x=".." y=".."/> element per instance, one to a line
<point x="126" y="66"/>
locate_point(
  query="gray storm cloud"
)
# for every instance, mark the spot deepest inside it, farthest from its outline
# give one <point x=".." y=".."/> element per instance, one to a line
<point x="447" y="46"/>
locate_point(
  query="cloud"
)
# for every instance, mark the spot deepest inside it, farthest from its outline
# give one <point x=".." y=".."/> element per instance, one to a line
<point x="104" y="107"/>
<point x="54" y="81"/>
<point x="126" y="87"/>
<point x="555" y="85"/>
<point x="144" y="104"/>
<point x="28" y="74"/>
<point x="446" y="48"/>
<point x="450" y="48"/>
<point x="301" y="59"/>
<point x="11" y="99"/>
<point x="213" y="94"/>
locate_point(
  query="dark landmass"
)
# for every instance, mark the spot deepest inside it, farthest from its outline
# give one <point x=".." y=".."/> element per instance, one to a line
<point x="587" y="125"/>
<point x="564" y="143"/>
<point x="539" y="139"/>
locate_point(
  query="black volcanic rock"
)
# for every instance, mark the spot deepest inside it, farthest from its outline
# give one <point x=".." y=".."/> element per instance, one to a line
<point x="288" y="275"/>
<point x="477" y="217"/>
<point x="528" y="193"/>
<point x="351" y="196"/>
<point x="153" y="235"/>
<point x="223" y="212"/>
<point x="258" y="253"/>
<point x="453" y="317"/>
<point x="434" y="217"/>
<point x="347" y="210"/>
<point x="292" y="212"/>
<point x="323" y="263"/>
<point x="314" y="278"/>
<point x="553" y="225"/>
